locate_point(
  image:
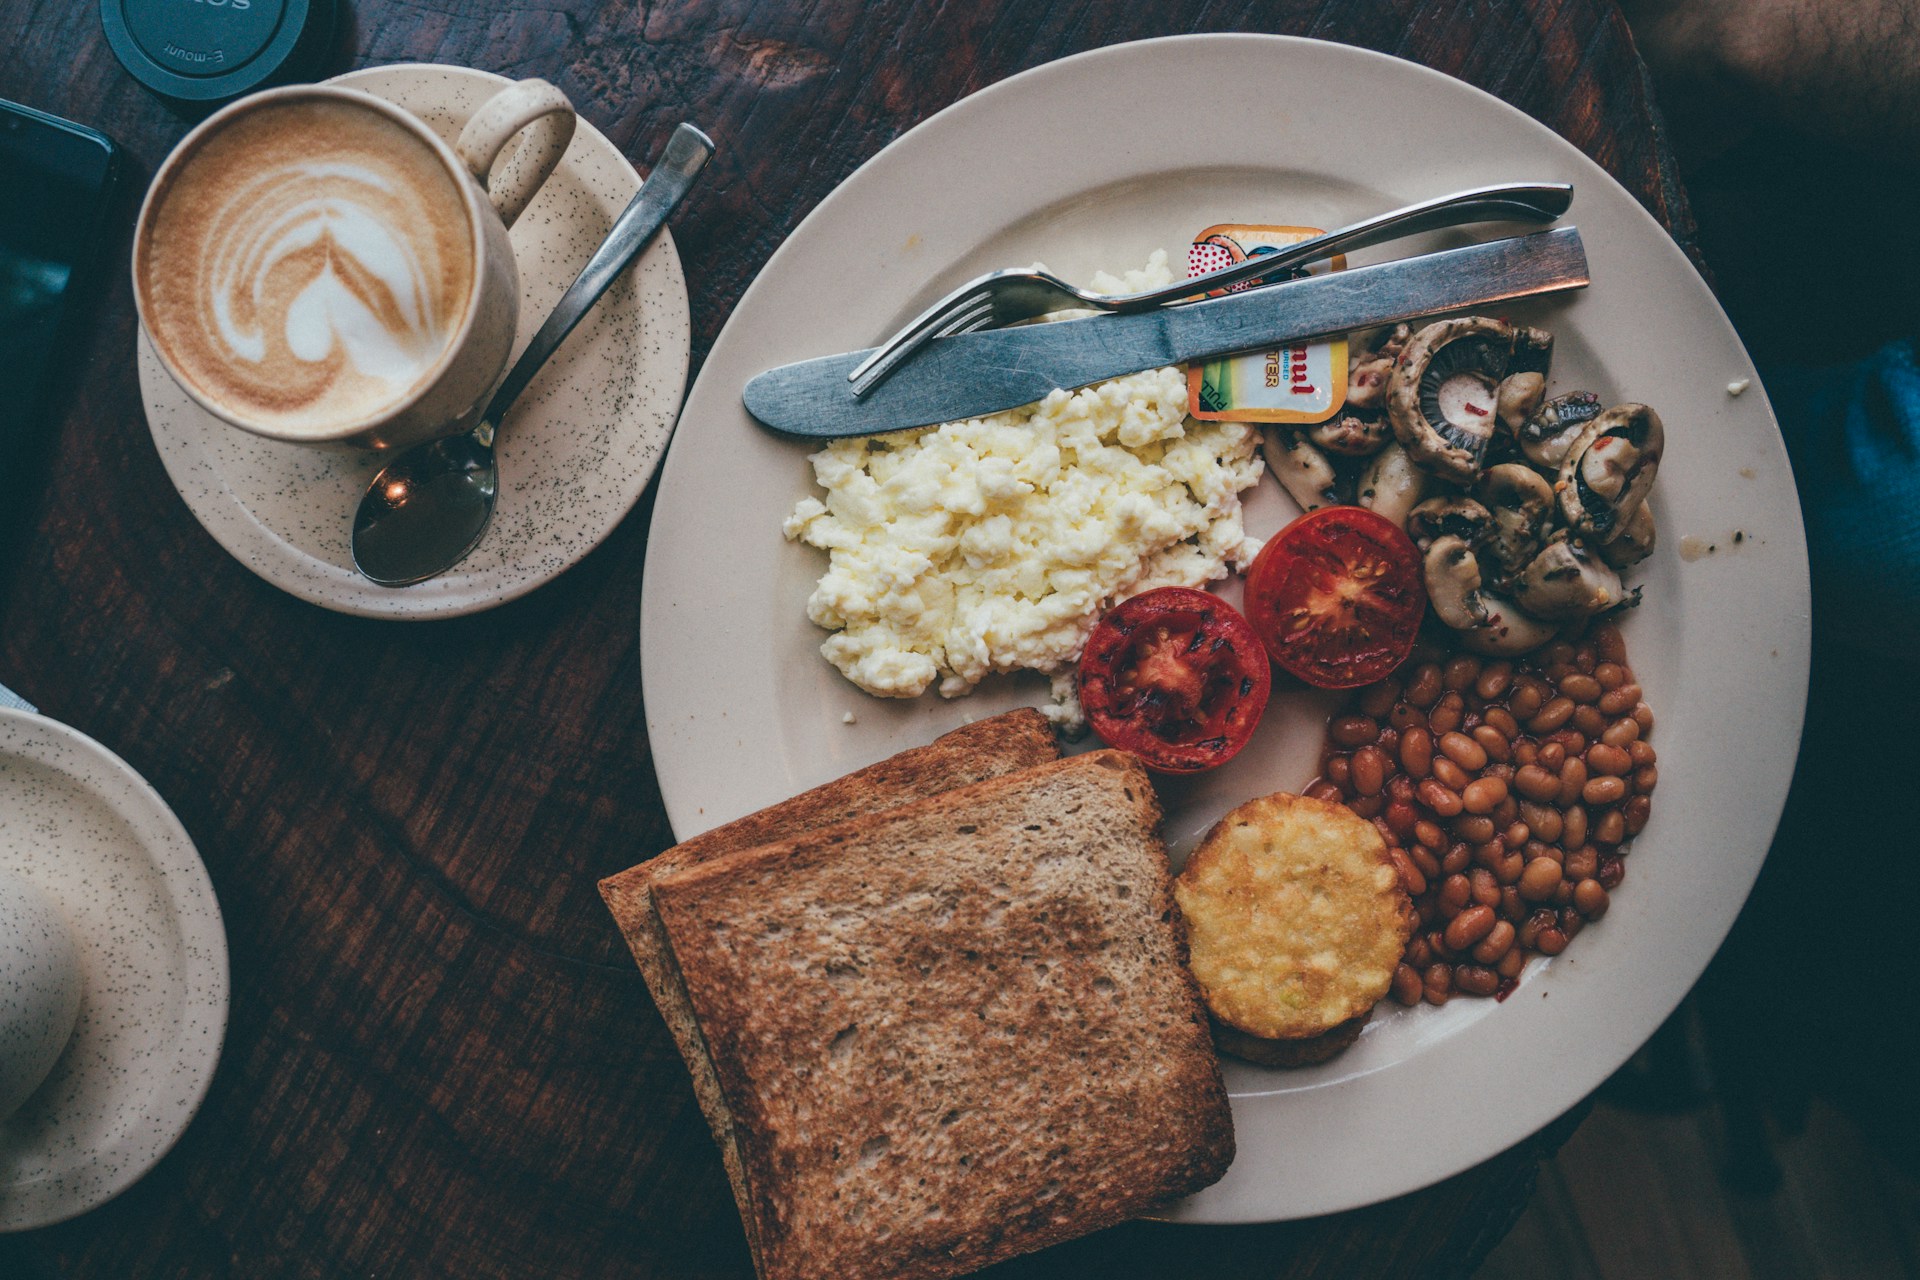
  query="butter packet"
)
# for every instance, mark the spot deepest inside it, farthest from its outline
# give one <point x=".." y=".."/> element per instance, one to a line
<point x="1302" y="383"/>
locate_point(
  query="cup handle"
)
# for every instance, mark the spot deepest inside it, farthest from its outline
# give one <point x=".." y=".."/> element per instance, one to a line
<point x="511" y="183"/>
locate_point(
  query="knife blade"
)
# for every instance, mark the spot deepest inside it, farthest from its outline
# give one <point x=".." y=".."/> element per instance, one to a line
<point x="973" y="374"/>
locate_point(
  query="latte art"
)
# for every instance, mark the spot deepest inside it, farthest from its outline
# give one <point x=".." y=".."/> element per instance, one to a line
<point x="308" y="266"/>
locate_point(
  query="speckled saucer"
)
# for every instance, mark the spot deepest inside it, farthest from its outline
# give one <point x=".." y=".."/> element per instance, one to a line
<point x="83" y="827"/>
<point x="575" y="453"/>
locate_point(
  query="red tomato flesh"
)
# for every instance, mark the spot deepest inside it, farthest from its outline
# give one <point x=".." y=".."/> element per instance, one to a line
<point x="1337" y="597"/>
<point x="1177" y="677"/>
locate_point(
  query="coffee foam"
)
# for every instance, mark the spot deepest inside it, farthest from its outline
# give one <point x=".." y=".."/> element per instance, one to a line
<point x="307" y="265"/>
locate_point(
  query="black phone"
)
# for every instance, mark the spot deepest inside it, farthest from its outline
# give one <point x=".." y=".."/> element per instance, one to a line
<point x="56" y="179"/>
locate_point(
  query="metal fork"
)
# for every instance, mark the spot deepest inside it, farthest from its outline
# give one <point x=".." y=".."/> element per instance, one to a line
<point x="1007" y="297"/>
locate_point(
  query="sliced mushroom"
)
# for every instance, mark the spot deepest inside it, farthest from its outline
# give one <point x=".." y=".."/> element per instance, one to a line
<point x="1517" y="398"/>
<point x="1566" y="580"/>
<point x="1549" y="433"/>
<point x="1508" y="630"/>
<point x="1452" y="572"/>
<point x="1634" y="543"/>
<point x="1522" y="505"/>
<point x="1455" y="516"/>
<point x="1391" y="485"/>
<point x="1444" y="396"/>
<point x="1370" y="360"/>
<point x="1532" y="350"/>
<point x="1351" y="434"/>
<point x="1609" y="469"/>
<point x="1302" y="470"/>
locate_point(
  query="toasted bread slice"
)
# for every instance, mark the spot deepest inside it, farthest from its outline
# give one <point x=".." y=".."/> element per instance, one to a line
<point x="1297" y="919"/>
<point x="985" y="749"/>
<point x="955" y="1031"/>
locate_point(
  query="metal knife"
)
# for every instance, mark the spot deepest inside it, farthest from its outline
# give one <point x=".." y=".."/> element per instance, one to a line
<point x="979" y="373"/>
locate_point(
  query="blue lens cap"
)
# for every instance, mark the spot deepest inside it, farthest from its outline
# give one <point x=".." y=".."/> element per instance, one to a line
<point x="209" y="51"/>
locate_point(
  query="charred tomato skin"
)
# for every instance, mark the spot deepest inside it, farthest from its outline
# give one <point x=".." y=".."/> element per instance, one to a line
<point x="1337" y="597"/>
<point x="1177" y="677"/>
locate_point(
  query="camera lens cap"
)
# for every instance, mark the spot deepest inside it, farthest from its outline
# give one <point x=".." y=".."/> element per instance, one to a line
<point x="208" y="51"/>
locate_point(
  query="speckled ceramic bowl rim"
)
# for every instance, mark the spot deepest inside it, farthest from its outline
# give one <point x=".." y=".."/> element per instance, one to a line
<point x="207" y="990"/>
<point x="475" y="204"/>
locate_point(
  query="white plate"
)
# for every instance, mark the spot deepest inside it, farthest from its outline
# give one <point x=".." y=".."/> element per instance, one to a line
<point x="575" y="454"/>
<point x="1095" y="161"/>
<point x="78" y="822"/>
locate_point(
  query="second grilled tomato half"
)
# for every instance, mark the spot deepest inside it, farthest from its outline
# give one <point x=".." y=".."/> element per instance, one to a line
<point x="1338" y="596"/>
<point x="1177" y="677"/>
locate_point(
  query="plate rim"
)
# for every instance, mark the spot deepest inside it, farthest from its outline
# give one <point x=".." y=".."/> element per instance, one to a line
<point x="206" y="980"/>
<point x="233" y="515"/>
<point x="1793" y="620"/>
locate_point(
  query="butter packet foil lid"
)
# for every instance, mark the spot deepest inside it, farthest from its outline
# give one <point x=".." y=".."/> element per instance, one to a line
<point x="1303" y="383"/>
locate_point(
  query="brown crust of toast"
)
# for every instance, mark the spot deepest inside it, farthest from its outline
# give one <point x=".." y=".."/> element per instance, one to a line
<point x="958" y="1030"/>
<point x="972" y="753"/>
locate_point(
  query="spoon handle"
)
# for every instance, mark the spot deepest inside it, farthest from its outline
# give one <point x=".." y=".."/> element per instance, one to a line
<point x="687" y="153"/>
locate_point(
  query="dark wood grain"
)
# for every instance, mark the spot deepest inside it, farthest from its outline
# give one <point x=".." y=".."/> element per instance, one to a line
<point x="441" y="1060"/>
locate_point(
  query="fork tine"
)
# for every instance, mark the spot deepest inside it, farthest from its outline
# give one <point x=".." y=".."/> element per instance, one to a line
<point x="966" y="314"/>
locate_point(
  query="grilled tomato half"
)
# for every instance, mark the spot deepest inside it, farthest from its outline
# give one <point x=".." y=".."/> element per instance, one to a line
<point x="1337" y="596"/>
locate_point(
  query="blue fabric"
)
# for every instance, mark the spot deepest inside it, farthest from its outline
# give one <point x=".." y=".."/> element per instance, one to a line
<point x="8" y="698"/>
<point x="1853" y="432"/>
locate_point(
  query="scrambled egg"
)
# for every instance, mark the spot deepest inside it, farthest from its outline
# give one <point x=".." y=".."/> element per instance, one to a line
<point x="995" y="544"/>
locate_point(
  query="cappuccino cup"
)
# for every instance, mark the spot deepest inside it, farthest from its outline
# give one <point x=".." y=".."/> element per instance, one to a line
<point x="315" y="265"/>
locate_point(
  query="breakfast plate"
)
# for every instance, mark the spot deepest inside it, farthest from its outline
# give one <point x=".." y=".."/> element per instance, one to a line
<point x="79" y="824"/>
<point x="1092" y="163"/>
<point x="575" y="455"/>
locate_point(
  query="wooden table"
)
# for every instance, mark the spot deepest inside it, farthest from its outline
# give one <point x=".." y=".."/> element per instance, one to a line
<point x="441" y="1059"/>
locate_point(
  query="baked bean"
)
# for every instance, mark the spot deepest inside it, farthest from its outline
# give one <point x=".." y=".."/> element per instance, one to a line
<point x="1502" y="719"/>
<point x="1573" y="826"/>
<point x="1441" y="799"/>
<point x="1552" y="716"/>
<point x="1602" y="758"/>
<point x="1539" y="849"/>
<point x="1416" y="751"/>
<point x="1511" y="963"/>
<point x="1467" y="928"/>
<point x="1493" y="742"/>
<point x="1377" y="700"/>
<point x="1458" y="855"/>
<point x="1486" y="889"/>
<point x="1499" y="770"/>
<point x="1407" y="987"/>
<point x="1496" y="943"/>
<point x="1552" y="941"/>
<point x="1463" y="751"/>
<point x="1609" y="644"/>
<point x="1581" y="688"/>
<point x="1410" y="878"/>
<point x="1339" y="771"/>
<point x="1539" y="880"/>
<point x="1581" y="863"/>
<point x="1611" y="872"/>
<point x="1564" y="894"/>
<point x="1620" y="701"/>
<point x="1367" y="806"/>
<point x="1543" y="820"/>
<point x="1419" y="954"/>
<point x="1611" y="828"/>
<point x="1571" y="921"/>
<point x="1424" y="686"/>
<point x="1526" y="699"/>
<point x="1400" y="787"/>
<point x="1508" y="872"/>
<point x="1611" y="675"/>
<point x="1494" y="679"/>
<point x="1516" y="835"/>
<point x="1644" y="715"/>
<point x="1573" y="779"/>
<point x="1483" y="795"/>
<point x="1428" y="832"/>
<point x="1600" y="791"/>
<point x="1622" y="733"/>
<point x="1386" y="832"/>
<point x="1427" y="909"/>
<point x="1450" y="775"/>
<point x="1589" y="720"/>
<point x="1389" y="742"/>
<point x="1369" y="771"/>
<point x="1558" y="654"/>
<point x="1461" y="672"/>
<point x="1526" y="751"/>
<point x="1353" y="731"/>
<point x="1446" y="714"/>
<point x="1426" y="859"/>
<point x="1572" y="741"/>
<point x="1512" y="906"/>
<point x="1590" y="899"/>
<point x="1636" y="811"/>
<point x="1456" y="891"/>
<point x="1646" y="778"/>
<point x="1475" y="980"/>
<point x="1405" y="716"/>
<point x="1535" y="783"/>
<point x="1438" y="983"/>
<point x="1488" y="855"/>
<point x="1324" y="790"/>
<point x="1552" y="756"/>
<point x="1642" y="753"/>
<point x="1584" y="657"/>
<point x="1474" y="828"/>
<point x="1531" y="928"/>
<point x="1399" y="818"/>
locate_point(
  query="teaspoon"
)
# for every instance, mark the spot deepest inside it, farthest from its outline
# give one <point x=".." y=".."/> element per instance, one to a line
<point x="427" y="508"/>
